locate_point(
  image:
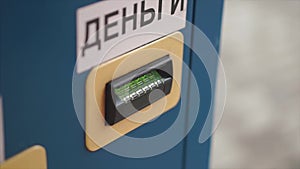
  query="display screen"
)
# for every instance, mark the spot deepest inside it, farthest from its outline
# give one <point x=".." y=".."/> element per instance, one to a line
<point x="139" y="86"/>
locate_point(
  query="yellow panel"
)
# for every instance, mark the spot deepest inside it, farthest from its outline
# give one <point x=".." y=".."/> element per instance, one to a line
<point x="32" y="158"/>
<point x="97" y="133"/>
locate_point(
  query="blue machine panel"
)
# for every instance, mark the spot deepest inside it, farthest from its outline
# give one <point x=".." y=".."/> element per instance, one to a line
<point x="38" y="54"/>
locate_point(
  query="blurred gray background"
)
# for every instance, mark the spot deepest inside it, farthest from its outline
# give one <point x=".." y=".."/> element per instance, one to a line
<point x="260" y="51"/>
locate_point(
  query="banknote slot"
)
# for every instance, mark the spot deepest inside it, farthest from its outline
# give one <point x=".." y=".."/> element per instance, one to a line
<point x="138" y="89"/>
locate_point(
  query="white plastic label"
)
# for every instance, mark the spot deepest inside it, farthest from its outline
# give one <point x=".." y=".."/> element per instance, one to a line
<point x="108" y="29"/>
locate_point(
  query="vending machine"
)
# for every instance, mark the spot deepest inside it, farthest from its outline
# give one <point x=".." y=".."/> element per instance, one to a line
<point x="110" y="84"/>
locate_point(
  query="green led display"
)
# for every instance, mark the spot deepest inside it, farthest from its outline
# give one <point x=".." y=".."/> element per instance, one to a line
<point x="139" y="86"/>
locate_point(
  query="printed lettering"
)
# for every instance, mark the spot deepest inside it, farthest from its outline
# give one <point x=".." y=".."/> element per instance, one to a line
<point x="128" y="18"/>
<point x="159" y="9"/>
<point x="110" y="25"/>
<point x="144" y="12"/>
<point x="175" y="5"/>
<point x="87" y="35"/>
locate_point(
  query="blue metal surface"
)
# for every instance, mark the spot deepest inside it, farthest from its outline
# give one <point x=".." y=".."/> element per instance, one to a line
<point x="38" y="40"/>
<point x="208" y="16"/>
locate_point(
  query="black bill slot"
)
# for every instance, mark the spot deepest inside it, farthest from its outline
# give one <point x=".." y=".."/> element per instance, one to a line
<point x="130" y="93"/>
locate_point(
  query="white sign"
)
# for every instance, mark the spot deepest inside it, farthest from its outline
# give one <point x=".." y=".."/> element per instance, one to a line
<point x="108" y="29"/>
